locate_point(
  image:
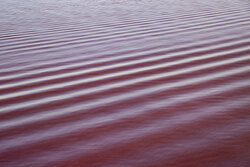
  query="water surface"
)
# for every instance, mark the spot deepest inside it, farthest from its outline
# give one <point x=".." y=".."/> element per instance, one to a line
<point x="124" y="83"/>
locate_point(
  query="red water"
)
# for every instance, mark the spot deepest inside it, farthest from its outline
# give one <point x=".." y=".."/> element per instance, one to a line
<point x="125" y="83"/>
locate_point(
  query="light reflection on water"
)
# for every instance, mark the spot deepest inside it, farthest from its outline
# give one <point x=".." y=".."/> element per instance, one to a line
<point x="124" y="83"/>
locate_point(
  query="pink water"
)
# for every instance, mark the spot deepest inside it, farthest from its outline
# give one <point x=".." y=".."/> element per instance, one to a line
<point x="124" y="83"/>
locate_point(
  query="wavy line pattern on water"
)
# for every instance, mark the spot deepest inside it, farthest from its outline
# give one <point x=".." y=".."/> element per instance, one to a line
<point x="107" y="83"/>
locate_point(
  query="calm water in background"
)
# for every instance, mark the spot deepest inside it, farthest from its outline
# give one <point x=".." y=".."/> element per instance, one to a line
<point x="124" y="83"/>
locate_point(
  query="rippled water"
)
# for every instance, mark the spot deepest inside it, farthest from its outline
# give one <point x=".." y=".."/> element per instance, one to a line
<point x="124" y="83"/>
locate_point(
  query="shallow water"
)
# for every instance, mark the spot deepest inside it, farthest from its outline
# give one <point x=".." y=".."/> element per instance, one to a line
<point x="124" y="83"/>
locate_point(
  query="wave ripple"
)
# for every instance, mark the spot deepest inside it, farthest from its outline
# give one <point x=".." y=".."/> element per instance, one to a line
<point x="124" y="83"/>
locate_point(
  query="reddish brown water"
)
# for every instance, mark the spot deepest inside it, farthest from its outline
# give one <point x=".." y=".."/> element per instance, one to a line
<point x="125" y="83"/>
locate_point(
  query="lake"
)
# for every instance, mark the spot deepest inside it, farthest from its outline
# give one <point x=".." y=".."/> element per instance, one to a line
<point x="124" y="83"/>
